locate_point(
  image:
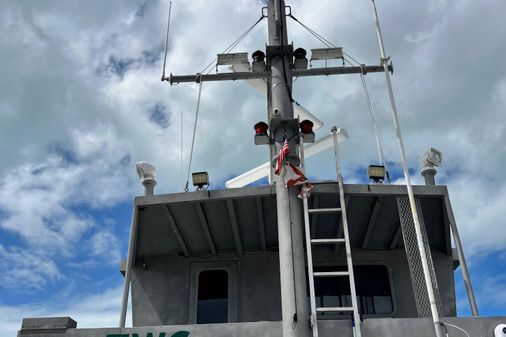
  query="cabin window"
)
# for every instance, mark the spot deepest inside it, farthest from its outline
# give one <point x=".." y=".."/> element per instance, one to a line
<point x="212" y="298"/>
<point x="372" y="285"/>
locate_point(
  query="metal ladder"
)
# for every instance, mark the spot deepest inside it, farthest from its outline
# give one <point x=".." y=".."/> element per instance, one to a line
<point x="334" y="241"/>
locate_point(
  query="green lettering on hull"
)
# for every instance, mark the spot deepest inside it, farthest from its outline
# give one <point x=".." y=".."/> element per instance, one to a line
<point x="150" y="334"/>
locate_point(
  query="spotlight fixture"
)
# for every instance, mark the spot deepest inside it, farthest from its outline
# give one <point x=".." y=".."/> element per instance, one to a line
<point x="200" y="180"/>
<point x="326" y="54"/>
<point x="376" y="173"/>
<point x="261" y="136"/>
<point x="231" y="59"/>
<point x="146" y="173"/>
<point x="431" y="158"/>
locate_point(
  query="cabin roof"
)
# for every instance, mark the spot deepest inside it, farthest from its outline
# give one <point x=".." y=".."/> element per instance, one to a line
<point x="242" y="220"/>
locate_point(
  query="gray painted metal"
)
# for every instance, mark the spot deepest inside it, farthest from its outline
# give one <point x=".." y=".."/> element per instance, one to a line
<point x="205" y="228"/>
<point x="371" y="327"/>
<point x="174" y="79"/>
<point x="176" y="231"/>
<point x="415" y="262"/>
<point x="261" y="224"/>
<point x="294" y="307"/>
<point x="132" y="243"/>
<point x="461" y="257"/>
<point x="46" y="326"/>
<point x="233" y="222"/>
<point x="429" y="175"/>
<point x="149" y="186"/>
<point x="153" y="223"/>
<point x="372" y="222"/>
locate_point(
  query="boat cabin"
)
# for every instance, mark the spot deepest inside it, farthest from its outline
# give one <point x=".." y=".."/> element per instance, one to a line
<point x="211" y="256"/>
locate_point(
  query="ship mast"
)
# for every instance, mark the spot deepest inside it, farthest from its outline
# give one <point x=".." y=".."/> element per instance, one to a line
<point x="294" y="310"/>
<point x="278" y="75"/>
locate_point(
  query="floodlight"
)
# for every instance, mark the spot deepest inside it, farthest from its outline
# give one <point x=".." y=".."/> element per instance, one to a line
<point x="232" y="58"/>
<point x="300" y="60"/>
<point x="200" y="179"/>
<point x="146" y="171"/>
<point x="326" y="53"/>
<point x="261" y="137"/>
<point x="258" y="64"/>
<point x="376" y="173"/>
<point x="431" y="157"/>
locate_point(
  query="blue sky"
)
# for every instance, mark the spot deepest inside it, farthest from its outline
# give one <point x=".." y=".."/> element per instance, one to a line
<point x="81" y="101"/>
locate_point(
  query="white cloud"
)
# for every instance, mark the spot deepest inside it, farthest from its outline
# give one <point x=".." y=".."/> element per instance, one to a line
<point x="106" y="245"/>
<point x="24" y="270"/>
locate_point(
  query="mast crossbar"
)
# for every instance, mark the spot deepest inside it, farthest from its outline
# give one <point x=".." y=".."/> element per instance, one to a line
<point x="247" y="75"/>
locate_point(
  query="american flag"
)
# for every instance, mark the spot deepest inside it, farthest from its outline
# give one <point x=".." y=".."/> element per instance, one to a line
<point x="294" y="176"/>
<point x="285" y="150"/>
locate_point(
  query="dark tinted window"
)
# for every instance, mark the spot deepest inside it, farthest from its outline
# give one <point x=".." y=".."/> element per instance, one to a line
<point x="212" y="301"/>
<point x="372" y="285"/>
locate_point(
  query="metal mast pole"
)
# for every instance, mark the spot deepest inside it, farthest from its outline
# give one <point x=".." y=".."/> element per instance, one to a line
<point x="414" y="212"/>
<point x="294" y="306"/>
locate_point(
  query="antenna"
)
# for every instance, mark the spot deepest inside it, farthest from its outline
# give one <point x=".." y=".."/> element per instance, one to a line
<point x="166" y="42"/>
<point x="411" y="196"/>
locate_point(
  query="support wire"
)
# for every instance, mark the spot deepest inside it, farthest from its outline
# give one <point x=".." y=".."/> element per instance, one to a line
<point x="232" y="45"/>
<point x="181" y="156"/>
<point x="354" y="62"/>
<point x="375" y="127"/>
<point x="199" y="79"/>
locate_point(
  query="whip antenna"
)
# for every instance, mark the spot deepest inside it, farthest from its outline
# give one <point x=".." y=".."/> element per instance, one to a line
<point x="166" y="42"/>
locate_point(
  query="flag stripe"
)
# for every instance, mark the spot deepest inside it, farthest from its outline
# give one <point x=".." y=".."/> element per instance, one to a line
<point x="285" y="150"/>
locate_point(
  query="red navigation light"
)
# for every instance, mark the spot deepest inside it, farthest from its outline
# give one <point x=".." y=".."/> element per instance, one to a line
<point x="261" y="128"/>
<point x="300" y="53"/>
<point x="258" y="56"/>
<point x="306" y="126"/>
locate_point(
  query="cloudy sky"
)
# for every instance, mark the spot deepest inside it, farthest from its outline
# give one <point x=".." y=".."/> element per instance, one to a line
<point x="81" y="101"/>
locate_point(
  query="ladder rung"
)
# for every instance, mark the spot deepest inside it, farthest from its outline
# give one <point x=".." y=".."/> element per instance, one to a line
<point x="324" y="210"/>
<point x="334" y="309"/>
<point x="330" y="273"/>
<point x="326" y="241"/>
